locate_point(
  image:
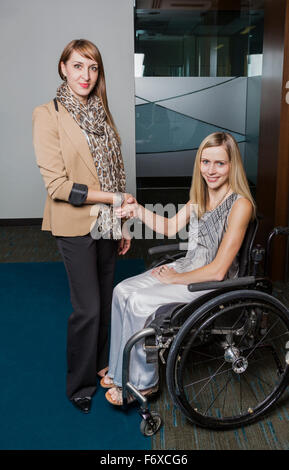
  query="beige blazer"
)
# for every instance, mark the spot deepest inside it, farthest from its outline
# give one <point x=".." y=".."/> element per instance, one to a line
<point x="64" y="158"/>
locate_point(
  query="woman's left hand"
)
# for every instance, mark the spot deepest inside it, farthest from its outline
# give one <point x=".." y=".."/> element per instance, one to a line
<point x="165" y="274"/>
<point x="123" y="246"/>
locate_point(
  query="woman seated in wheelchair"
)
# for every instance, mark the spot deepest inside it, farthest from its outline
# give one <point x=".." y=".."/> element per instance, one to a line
<point x="221" y="202"/>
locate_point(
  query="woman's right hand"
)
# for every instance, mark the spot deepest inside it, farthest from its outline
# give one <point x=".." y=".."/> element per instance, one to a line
<point x="129" y="207"/>
<point x="128" y="199"/>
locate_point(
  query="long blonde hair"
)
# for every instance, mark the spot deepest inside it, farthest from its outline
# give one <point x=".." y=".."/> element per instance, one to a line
<point x="237" y="176"/>
<point x="90" y="51"/>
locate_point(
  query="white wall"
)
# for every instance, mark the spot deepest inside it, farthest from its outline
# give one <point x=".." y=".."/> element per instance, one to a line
<point x="33" y="34"/>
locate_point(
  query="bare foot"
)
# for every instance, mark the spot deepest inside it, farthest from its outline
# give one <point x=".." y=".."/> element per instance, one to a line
<point x="107" y="380"/>
<point x="102" y="372"/>
<point x="114" y="395"/>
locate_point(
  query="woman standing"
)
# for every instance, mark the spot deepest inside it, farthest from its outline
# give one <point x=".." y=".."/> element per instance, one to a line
<point x="78" y="152"/>
<point x="218" y="212"/>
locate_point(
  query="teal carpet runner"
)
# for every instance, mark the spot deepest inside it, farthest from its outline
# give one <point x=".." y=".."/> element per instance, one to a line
<point x="34" y="411"/>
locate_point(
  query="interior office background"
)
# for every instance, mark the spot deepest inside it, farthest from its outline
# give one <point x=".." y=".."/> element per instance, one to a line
<point x="197" y="72"/>
<point x="176" y="71"/>
<point x="203" y="66"/>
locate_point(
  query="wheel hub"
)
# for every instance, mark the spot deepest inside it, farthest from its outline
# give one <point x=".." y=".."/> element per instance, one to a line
<point x="240" y="365"/>
<point x="231" y="354"/>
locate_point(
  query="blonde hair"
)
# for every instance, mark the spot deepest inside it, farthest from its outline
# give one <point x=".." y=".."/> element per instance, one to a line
<point x="237" y="176"/>
<point x="90" y="51"/>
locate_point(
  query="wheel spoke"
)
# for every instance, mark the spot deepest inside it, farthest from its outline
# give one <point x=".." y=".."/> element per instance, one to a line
<point x="241" y="401"/>
<point x="250" y="388"/>
<point x="226" y="385"/>
<point x="206" y="378"/>
<point x="262" y="339"/>
<point x="279" y="336"/>
<point x="223" y="407"/>
<point x="242" y="314"/>
<point x="210" y="379"/>
<point x="212" y="358"/>
<point x="220" y="373"/>
<point x="259" y="378"/>
<point x="207" y="355"/>
<point x="218" y="388"/>
<point x="231" y="328"/>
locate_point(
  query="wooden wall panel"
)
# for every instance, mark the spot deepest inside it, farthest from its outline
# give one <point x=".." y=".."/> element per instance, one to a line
<point x="270" y="118"/>
<point x="282" y="184"/>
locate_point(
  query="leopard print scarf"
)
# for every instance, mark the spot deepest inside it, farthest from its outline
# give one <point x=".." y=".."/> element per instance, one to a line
<point x="105" y="151"/>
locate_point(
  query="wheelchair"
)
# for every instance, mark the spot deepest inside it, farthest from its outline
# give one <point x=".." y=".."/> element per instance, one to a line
<point x="226" y="352"/>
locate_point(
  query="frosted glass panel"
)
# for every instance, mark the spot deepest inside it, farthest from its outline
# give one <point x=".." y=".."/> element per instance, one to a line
<point x="198" y="72"/>
<point x="162" y="130"/>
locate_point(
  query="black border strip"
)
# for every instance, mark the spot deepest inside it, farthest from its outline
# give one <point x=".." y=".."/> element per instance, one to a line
<point x="19" y="222"/>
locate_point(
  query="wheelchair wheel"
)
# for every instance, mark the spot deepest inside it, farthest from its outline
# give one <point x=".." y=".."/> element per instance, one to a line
<point x="150" y="427"/>
<point x="227" y="365"/>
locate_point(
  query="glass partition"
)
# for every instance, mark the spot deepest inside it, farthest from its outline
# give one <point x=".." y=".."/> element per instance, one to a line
<point x="196" y="72"/>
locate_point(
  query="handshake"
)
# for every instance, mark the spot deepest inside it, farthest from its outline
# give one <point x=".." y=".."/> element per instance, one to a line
<point x="129" y="208"/>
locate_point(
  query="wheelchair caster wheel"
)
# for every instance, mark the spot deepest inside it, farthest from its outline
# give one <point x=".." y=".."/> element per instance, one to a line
<point x="151" y="424"/>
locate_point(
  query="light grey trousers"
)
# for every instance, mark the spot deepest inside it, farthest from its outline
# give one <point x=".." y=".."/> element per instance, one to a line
<point x="134" y="300"/>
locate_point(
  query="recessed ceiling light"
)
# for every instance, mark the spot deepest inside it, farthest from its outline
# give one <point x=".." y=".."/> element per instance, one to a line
<point x="190" y="5"/>
<point x="247" y="30"/>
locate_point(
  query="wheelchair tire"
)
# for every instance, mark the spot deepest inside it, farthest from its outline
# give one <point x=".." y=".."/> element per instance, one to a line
<point x="225" y="367"/>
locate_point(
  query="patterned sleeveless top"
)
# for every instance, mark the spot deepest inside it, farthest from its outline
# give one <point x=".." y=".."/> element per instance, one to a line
<point x="205" y="236"/>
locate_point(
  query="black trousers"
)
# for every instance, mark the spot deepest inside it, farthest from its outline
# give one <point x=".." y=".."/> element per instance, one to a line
<point x="90" y="266"/>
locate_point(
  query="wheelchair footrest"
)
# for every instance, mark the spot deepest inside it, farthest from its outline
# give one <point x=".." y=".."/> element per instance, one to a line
<point x="160" y="321"/>
<point x="151" y="350"/>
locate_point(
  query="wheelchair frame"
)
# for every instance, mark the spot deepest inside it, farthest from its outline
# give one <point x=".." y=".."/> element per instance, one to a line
<point x="169" y="332"/>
